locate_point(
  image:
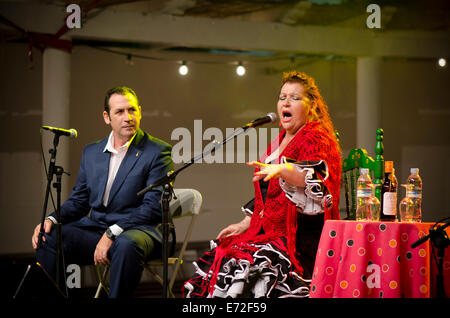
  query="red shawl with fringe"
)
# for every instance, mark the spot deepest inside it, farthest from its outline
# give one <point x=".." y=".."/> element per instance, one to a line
<point x="279" y="217"/>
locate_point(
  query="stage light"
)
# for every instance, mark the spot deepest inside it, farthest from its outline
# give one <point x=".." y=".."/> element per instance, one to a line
<point x="129" y="60"/>
<point x="442" y="62"/>
<point x="240" y="69"/>
<point x="183" y="69"/>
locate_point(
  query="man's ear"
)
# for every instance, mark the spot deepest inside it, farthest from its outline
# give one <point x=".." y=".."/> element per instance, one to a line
<point x="106" y="117"/>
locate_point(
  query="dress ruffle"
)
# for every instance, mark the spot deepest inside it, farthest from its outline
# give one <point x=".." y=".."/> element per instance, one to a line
<point x="268" y="275"/>
<point x="314" y="198"/>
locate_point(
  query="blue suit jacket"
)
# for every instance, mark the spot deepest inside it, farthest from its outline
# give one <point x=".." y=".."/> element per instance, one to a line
<point x="147" y="159"/>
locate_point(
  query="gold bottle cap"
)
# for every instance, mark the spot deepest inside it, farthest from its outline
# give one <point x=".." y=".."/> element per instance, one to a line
<point x="388" y="166"/>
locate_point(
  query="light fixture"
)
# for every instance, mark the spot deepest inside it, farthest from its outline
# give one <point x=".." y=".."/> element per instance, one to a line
<point x="442" y="62"/>
<point x="129" y="60"/>
<point x="183" y="69"/>
<point x="240" y="69"/>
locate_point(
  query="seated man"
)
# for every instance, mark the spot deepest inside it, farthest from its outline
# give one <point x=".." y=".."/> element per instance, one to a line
<point x="121" y="229"/>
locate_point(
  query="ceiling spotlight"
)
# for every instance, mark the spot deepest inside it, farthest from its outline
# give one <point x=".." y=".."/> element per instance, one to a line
<point x="240" y="70"/>
<point x="129" y="60"/>
<point x="183" y="69"/>
<point x="442" y="62"/>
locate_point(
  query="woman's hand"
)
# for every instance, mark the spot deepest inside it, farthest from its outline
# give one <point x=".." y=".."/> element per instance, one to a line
<point x="235" y="229"/>
<point x="269" y="171"/>
<point x="284" y="171"/>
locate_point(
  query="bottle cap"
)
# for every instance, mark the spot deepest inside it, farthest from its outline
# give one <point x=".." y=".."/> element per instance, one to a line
<point x="414" y="170"/>
<point x="388" y="166"/>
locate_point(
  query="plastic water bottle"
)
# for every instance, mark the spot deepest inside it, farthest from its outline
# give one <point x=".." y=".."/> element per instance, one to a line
<point x="367" y="204"/>
<point x="406" y="205"/>
<point x="414" y="191"/>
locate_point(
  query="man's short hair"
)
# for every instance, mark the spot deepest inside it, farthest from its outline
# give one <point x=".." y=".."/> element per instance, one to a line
<point x="121" y="90"/>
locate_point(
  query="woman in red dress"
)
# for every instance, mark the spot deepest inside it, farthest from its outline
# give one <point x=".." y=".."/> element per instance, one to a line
<point x="271" y="252"/>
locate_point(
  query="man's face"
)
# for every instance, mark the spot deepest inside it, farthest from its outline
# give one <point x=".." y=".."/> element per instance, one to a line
<point x="124" y="116"/>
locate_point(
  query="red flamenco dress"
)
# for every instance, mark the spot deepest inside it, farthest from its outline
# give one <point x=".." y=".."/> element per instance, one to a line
<point x="266" y="260"/>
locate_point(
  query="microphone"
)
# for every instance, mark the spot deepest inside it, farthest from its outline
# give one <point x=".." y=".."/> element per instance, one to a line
<point x="72" y="133"/>
<point x="269" y="118"/>
<point x="431" y="233"/>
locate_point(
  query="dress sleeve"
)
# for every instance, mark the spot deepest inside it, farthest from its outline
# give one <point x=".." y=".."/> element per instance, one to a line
<point x="315" y="197"/>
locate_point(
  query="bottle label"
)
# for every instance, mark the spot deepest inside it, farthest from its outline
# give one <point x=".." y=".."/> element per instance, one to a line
<point x="364" y="193"/>
<point x="415" y="194"/>
<point x="390" y="203"/>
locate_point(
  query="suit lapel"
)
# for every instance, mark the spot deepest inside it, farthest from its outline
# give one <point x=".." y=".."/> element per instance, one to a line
<point x="132" y="156"/>
<point x="101" y="168"/>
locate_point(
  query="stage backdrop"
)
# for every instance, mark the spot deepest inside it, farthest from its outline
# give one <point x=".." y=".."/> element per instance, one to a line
<point x="210" y="101"/>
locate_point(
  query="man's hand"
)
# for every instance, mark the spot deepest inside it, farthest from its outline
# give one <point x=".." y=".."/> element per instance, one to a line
<point x="101" y="251"/>
<point x="47" y="228"/>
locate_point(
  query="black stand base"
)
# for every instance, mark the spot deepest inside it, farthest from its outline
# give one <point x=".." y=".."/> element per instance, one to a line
<point x="37" y="284"/>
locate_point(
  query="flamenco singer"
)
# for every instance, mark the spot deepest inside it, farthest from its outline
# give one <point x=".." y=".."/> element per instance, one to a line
<point x="271" y="252"/>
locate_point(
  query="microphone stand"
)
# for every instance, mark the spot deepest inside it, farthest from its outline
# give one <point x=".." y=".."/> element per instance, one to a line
<point x="167" y="183"/>
<point x="58" y="171"/>
<point x="440" y="240"/>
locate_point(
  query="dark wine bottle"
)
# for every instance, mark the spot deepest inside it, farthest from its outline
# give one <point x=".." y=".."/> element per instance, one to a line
<point x="389" y="193"/>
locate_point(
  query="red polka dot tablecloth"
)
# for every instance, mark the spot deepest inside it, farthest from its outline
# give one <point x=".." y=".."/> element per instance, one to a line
<point x="375" y="260"/>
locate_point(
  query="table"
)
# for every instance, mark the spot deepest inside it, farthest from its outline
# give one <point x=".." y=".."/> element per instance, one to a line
<point x="374" y="259"/>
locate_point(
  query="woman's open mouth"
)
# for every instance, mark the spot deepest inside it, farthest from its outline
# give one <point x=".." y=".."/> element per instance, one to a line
<point x="286" y="115"/>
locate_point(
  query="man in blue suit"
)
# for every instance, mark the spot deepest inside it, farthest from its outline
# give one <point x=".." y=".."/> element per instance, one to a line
<point x="103" y="220"/>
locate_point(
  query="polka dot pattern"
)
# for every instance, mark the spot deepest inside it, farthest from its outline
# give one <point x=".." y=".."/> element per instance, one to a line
<point x="374" y="259"/>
